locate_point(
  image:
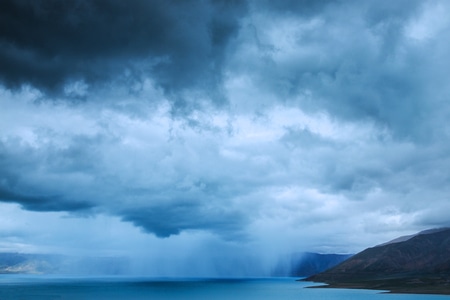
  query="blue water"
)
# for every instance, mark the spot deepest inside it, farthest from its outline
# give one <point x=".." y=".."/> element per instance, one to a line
<point x="48" y="288"/>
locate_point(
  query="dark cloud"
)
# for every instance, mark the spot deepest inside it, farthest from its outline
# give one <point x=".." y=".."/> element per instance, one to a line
<point x="34" y="178"/>
<point x="170" y="219"/>
<point x="12" y="190"/>
<point x="50" y="44"/>
<point x="43" y="203"/>
<point x="84" y="174"/>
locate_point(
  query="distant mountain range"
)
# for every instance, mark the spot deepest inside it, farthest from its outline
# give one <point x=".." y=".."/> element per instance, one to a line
<point x="418" y="263"/>
<point x="21" y="263"/>
<point x="295" y="265"/>
<point x="17" y="263"/>
<point x="307" y="263"/>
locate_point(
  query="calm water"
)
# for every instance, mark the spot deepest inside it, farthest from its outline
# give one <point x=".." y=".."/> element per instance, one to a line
<point x="37" y="288"/>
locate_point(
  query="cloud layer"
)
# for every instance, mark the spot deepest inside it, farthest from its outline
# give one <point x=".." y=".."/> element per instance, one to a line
<point x="319" y="122"/>
<point x="59" y="46"/>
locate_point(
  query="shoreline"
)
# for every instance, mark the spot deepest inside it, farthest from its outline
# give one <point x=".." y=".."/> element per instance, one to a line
<point x="386" y="288"/>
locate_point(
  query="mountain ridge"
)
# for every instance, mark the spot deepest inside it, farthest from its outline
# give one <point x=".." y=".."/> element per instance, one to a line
<point x="420" y="264"/>
<point x="407" y="237"/>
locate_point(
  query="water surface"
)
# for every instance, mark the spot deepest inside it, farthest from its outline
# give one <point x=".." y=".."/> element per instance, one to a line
<point x="115" y="288"/>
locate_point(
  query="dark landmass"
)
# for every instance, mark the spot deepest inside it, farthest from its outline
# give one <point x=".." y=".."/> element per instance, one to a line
<point x="417" y="264"/>
<point x="307" y="263"/>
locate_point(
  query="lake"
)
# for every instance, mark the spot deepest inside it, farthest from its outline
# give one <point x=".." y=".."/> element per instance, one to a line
<point x="22" y="287"/>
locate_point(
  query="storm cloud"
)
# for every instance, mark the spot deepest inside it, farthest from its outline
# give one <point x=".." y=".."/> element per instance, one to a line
<point x="283" y="126"/>
<point x="59" y="46"/>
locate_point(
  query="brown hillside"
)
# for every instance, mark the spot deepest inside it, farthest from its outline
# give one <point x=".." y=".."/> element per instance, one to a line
<point x="422" y="260"/>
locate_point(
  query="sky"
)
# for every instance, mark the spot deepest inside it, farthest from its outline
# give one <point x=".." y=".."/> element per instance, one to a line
<point x="213" y="137"/>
